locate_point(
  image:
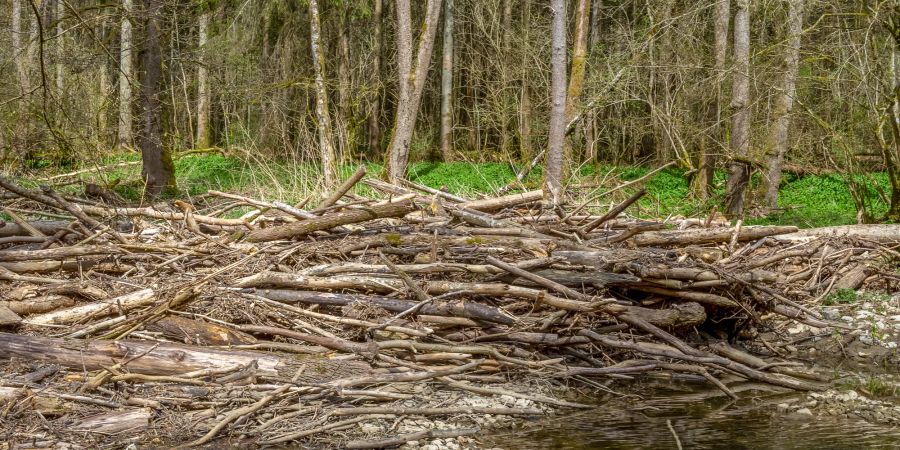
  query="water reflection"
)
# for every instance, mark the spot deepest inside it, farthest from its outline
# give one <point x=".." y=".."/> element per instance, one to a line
<point x="702" y="419"/>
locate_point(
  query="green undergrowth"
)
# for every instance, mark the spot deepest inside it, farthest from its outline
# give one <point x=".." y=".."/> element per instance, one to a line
<point x="810" y="201"/>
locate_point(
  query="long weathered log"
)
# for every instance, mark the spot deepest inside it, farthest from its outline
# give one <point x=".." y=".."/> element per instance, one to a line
<point x="287" y="280"/>
<point x="122" y="303"/>
<point x="160" y="358"/>
<point x="303" y="228"/>
<point x="507" y="201"/>
<point x="704" y="236"/>
<point x="39" y="305"/>
<point x="58" y="253"/>
<point x="47" y="227"/>
<point x="453" y="308"/>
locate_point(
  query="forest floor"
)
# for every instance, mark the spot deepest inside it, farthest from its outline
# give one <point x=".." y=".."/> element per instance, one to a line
<point x="807" y="202"/>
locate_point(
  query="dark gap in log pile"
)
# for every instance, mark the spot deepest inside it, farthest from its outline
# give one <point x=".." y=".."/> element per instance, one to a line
<point x="286" y="323"/>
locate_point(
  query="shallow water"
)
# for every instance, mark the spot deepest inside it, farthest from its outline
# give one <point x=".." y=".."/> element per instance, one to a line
<point x="702" y="419"/>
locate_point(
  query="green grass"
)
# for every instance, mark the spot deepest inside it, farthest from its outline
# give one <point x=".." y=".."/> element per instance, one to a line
<point x="810" y="201"/>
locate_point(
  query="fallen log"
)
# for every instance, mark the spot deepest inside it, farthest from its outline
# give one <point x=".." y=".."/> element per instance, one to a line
<point x="198" y="333"/>
<point x="44" y="226"/>
<point x="507" y="201"/>
<point x="58" y="253"/>
<point x="116" y="422"/>
<point x="38" y="305"/>
<point x="303" y="228"/>
<point x="160" y="358"/>
<point x="74" y="314"/>
<point x="705" y="236"/>
<point x="453" y="308"/>
<point x="376" y="284"/>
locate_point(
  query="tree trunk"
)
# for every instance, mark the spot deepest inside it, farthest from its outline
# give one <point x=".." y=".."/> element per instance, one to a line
<point x="524" y="115"/>
<point x="125" y="137"/>
<point x="739" y="169"/>
<point x="891" y="151"/>
<point x="22" y="63"/>
<point x="720" y="50"/>
<point x="579" y="56"/>
<point x="202" y="84"/>
<point x="158" y="170"/>
<point x="779" y="132"/>
<point x="375" y="107"/>
<point x="344" y="113"/>
<point x="60" y="47"/>
<point x="579" y="60"/>
<point x="326" y="145"/>
<point x="660" y="56"/>
<point x="507" y="99"/>
<point x="557" y="133"/>
<point x="412" y="81"/>
<point x="447" y="85"/>
<point x="596" y="10"/>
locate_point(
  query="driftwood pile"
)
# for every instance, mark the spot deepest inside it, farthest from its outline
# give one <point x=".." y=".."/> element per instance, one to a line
<point x="171" y="324"/>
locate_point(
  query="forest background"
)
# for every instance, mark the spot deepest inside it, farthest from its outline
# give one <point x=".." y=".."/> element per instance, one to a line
<point x="734" y="101"/>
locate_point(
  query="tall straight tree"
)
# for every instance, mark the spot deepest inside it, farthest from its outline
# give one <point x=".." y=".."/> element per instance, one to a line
<point x="411" y="79"/>
<point x="721" y="18"/>
<point x="125" y="46"/>
<point x="579" y="57"/>
<point x="778" y="135"/>
<point x="326" y="145"/>
<point x="579" y="61"/>
<point x="447" y="84"/>
<point x="202" y="83"/>
<point x="739" y="169"/>
<point x="22" y="63"/>
<point x="60" y="46"/>
<point x="553" y="180"/>
<point x="158" y="170"/>
<point x="375" y="107"/>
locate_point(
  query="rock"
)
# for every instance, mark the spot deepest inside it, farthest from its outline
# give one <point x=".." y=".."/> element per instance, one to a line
<point x="804" y="412"/>
<point x="831" y="314"/>
<point x="783" y="407"/>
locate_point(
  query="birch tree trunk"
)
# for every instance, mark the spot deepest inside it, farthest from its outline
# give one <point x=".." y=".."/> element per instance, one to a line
<point x="202" y="84"/>
<point x="553" y="179"/>
<point x="125" y="136"/>
<point x="326" y="146"/>
<point x="739" y="169"/>
<point x="779" y="133"/>
<point x="375" y="107"/>
<point x="447" y="85"/>
<point x="158" y="170"/>
<point x="412" y="79"/>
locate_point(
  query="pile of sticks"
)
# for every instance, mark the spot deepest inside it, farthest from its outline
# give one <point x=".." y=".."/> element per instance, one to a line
<point x="260" y="322"/>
